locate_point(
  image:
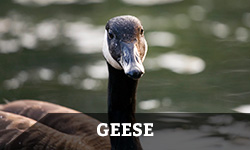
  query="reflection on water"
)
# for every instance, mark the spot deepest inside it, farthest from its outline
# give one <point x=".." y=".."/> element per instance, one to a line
<point x="178" y="63"/>
<point x="164" y="39"/>
<point x="47" y="30"/>
<point x="149" y="104"/>
<point x="243" y="109"/>
<point x="182" y="21"/>
<point x="86" y="37"/>
<point x="241" y="34"/>
<point x="17" y="81"/>
<point x="220" y="30"/>
<point x="198" y="59"/>
<point x="8" y="46"/>
<point x="90" y="84"/>
<point x="98" y="70"/>
<point x="46" y="74"/>
<point x="197" y="13"/>
<point x="149" y="2"/>
<point x="49" y="2"/>
<point x="198" y="131"/>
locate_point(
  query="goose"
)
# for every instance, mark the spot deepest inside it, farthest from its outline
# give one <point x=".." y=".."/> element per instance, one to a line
<point x="25" y="124"/>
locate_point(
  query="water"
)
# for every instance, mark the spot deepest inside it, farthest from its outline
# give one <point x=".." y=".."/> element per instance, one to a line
<point x="198" y="58"/>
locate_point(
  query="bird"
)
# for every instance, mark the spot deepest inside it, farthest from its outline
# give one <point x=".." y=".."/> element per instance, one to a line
<point x="40" y="125"/>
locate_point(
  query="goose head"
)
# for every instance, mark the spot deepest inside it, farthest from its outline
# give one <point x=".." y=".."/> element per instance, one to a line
<point x="124" y="46"/>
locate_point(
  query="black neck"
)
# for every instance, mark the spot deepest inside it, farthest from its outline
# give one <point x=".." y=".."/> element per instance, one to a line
<point x="121" y="107"/>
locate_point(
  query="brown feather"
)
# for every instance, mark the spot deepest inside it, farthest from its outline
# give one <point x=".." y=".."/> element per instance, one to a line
<point x="57" y="123"/>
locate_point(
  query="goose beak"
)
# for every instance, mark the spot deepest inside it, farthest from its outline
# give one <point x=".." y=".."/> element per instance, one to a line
<point x="131" y="61"/>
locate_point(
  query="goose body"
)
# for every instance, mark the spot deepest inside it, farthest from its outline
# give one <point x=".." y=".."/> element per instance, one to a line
<point x="26" y="125"/>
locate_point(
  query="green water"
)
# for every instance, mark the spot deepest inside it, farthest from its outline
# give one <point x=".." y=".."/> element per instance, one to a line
<point x="52" y="51"/>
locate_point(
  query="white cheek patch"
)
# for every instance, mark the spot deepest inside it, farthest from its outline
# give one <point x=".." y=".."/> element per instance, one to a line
<point x="146" y="50"/>
<point x="107" y="55"/>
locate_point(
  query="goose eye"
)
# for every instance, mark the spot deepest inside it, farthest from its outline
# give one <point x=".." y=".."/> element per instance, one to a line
<point x="110" y="34"/>
<point x="142" y="31"/>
